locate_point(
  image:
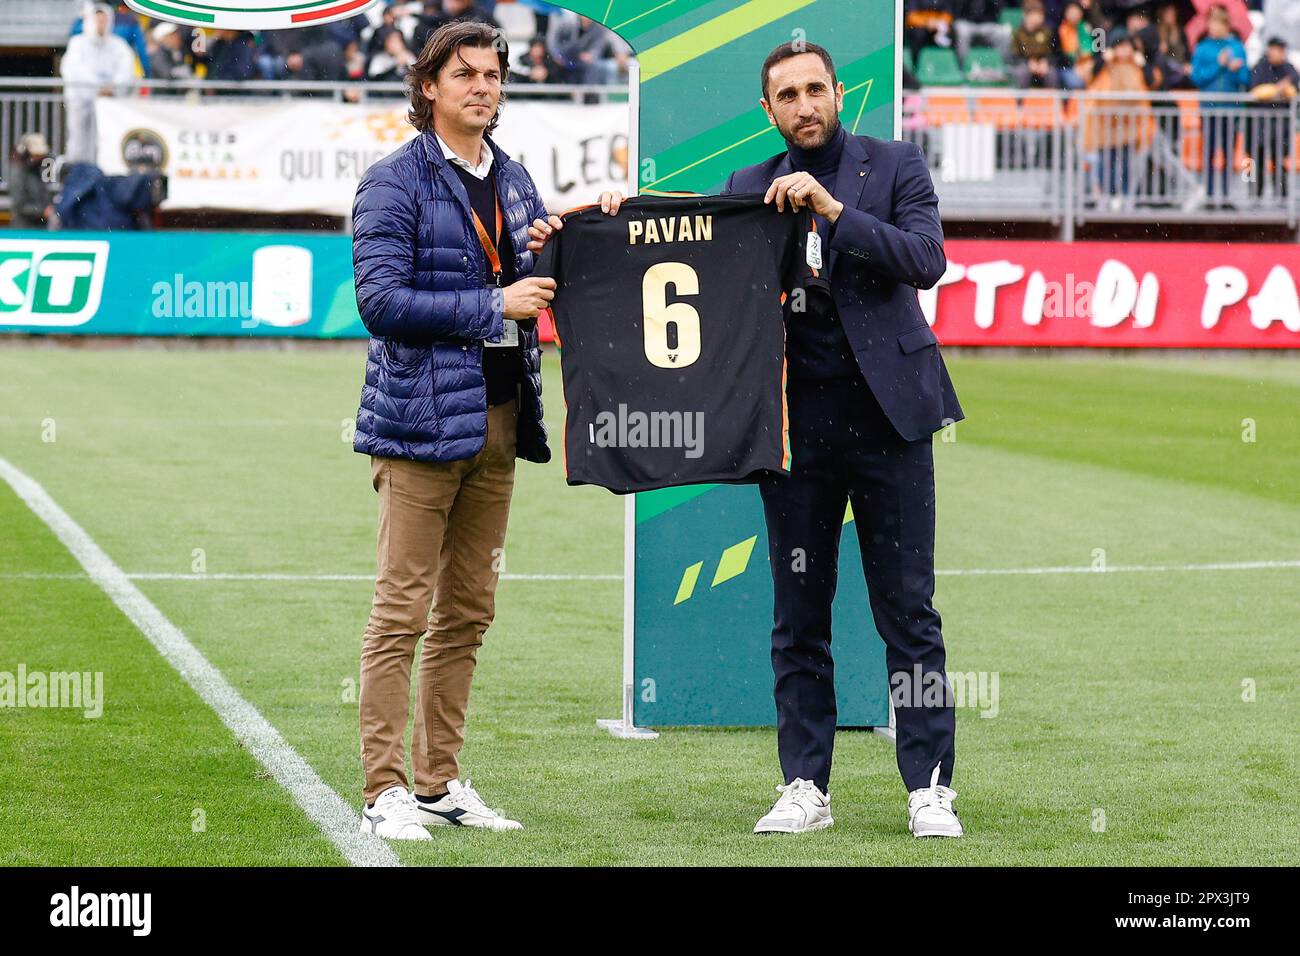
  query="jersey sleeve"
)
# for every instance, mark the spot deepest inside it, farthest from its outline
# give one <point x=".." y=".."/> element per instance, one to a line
<point x="547" y="265"/>
<point x="802" y="255"/>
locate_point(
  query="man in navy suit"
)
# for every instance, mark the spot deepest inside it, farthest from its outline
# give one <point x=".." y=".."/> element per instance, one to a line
<point x="866" y="390"/>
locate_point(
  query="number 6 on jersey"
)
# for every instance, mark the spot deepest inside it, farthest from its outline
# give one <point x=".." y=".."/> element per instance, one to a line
<point x="672" y="332"/>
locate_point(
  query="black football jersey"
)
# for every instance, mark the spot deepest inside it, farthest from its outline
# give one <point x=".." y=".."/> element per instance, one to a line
<point x="672" y="343"/>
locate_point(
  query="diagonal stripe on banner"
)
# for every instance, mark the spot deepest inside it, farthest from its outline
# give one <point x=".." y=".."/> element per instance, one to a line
<point x="714" y="33"/>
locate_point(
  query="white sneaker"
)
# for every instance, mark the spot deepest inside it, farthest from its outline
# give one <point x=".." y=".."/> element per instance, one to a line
<point x="930" y="812"/>
<point x="394" y="816"/>
<point x="463" y="807"/>
<point x="800" y="809"/>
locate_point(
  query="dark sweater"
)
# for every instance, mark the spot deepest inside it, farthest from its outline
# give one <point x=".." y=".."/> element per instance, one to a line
<point x="501" y="366"/>
<point x="816" y="346"/>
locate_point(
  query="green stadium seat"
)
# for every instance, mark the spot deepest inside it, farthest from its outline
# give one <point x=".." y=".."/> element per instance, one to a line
<point x="938" y="66"/>
<point x="1012" y="17"/>
<point x="984" y="67"/>
<point x="909" y="62"/>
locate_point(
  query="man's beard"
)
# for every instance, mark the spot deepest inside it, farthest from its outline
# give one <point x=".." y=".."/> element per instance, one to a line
<point x="830" y="135"/>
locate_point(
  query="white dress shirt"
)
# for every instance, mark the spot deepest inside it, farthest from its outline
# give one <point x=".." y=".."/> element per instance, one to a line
<point x="478" y="172"/>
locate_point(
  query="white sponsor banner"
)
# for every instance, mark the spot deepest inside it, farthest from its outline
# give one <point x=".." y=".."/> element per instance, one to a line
<point x="302" y="155"/>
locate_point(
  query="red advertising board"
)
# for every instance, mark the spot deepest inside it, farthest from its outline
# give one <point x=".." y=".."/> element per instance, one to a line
<point x="1112" y="295"/>
<point x="1117" y="294"/>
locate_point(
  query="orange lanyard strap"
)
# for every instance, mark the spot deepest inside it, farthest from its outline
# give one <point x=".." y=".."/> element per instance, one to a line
<point x="489" y="247"/>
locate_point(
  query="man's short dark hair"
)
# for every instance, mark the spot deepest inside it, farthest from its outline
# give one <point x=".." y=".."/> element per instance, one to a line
<point x="796" y="48"/>
<point x="442" y="44"/>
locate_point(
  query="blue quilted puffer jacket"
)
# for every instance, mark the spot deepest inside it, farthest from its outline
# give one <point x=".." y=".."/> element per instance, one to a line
<point x="420" y="290"/>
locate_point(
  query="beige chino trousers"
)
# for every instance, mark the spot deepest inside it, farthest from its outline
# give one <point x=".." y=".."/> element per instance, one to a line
<point x="442" y="528"/>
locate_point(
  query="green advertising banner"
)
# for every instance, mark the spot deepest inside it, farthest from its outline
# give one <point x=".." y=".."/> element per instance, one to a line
<point x="165" y="283"/>
<point x="700" y="597"/>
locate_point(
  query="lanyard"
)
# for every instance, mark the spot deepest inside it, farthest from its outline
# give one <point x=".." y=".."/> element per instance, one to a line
<point x="489" y="247"/>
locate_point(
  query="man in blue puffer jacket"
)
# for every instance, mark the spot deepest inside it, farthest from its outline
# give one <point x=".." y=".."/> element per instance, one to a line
<point x="445" y="233"/>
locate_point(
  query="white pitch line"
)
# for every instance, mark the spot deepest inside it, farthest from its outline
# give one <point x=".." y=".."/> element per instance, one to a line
<point x="1127" y="568"/>
<point x="955" y="572"/>
<point x="323" y="806"/>
<point x="274" y="576"/>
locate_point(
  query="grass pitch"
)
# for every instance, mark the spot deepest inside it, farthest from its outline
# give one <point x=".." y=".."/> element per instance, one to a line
<point x="1144" y="717"/>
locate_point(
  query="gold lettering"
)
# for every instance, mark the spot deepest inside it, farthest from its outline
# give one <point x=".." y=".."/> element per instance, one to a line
<point x="634" y="228"/>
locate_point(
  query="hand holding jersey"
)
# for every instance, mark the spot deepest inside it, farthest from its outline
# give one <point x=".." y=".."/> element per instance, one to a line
<point x="670" y="322"/>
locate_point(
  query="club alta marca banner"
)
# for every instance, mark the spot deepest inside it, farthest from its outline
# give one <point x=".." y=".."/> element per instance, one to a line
<point x="306" y="156"/>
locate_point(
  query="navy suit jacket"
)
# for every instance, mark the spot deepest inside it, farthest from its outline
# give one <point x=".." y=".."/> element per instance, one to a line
<point x="886" y="244"/>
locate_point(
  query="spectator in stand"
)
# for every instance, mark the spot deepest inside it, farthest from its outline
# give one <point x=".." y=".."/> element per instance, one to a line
<point x="126" y="25"/>
<point x="379" y="36"/>
<point x="1173" y="39"/>
<point x="319" y="62"/>
<point x="29" y="196"/>
<point x="1146" y="43"/>
<point x="277" y="46"/>
<point x="977" y="21"/>
<point x="1164" y="45"/>
<point x="438" y="12"/>
<point x="1074" y="43"/>
<point x="542" y="12"/>
<point x="390" y="64"/>
<point x="354" y="61"/>
<point x="347" y="31"/>
<point x="1282" y="20"/>
<point x="231" y="56"/>
<point x="1053" y="11"/>
<point x="97" y="63"/>
<point x="1095" y="17"/>
<point x="1041" y="73"/>
<point x="1273" y="83"/>
<point x="927" y="23"/>
<point x="306" y="54"/>
<point x="169" y="54"/>
<point x="589" y="52"/>
<point x="1032" y="39"/>
<point x="1114" y="131"/>
<point x="1219" y="66"/>
<point x="537" y="65"/>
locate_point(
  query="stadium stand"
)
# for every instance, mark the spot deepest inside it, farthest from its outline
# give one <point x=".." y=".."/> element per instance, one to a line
<point x="1093" y="112"/>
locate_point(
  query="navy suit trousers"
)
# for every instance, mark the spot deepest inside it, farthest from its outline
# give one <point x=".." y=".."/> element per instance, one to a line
<point x="845" y="450"/>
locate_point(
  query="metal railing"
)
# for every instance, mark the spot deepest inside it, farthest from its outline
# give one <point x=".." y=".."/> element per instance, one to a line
<point x="1075" y="157"/>
<point x="31" y="105"/>
<point x="1062" y="157"/>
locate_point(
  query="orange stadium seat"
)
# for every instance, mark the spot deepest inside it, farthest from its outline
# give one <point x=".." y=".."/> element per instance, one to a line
<point x="942" y="110"/>
<point x="1189" y="110"/>
<point x="1038" y="113"/>
<point x="1000" y="111"/>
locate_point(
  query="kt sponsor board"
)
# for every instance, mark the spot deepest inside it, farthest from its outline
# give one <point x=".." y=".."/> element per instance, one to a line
<point x="229" y="284"/>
